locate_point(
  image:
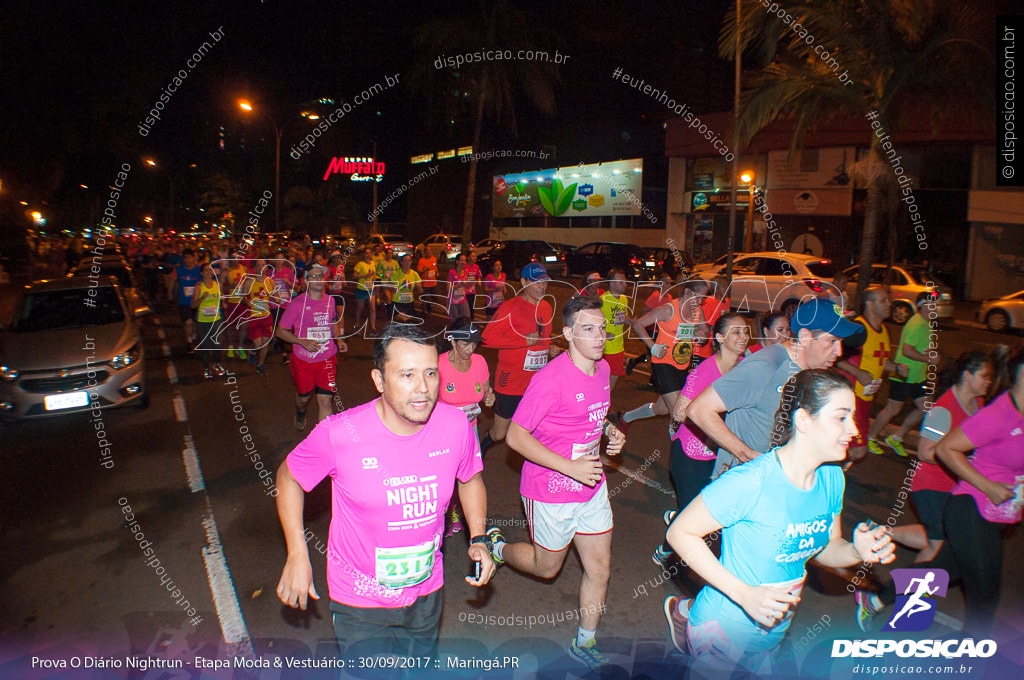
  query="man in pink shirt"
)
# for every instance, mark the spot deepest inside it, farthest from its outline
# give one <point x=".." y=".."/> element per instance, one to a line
<point x="393" y="464"/>
<point x="557" y="427"/>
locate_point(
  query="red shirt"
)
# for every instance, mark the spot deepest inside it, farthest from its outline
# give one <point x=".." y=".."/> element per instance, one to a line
<point x="507" y="332"/>
<point x="945" y="414"/>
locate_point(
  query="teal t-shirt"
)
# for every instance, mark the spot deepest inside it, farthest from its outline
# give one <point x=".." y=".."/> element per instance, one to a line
<point x="771" y="528"/>
<point x="915" y="333"/>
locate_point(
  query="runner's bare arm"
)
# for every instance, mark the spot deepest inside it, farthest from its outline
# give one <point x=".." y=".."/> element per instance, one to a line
<point x="585" y="470"/>
<point x="952" y="450"/>
<point x="640" y="325"/>
<point x="473" y="496"/>
<point x="870" y="545"/>
<point x="296" y="582"/>
<point x="705" y="411"/>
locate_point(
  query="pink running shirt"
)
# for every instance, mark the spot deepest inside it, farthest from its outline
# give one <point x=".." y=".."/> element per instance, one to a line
<point x="389" y="495"/>
<point x="463" y="390"/>
<point x="564" y="409"/>
<point x="997" y="432"/>
<point x="311" y="320"/>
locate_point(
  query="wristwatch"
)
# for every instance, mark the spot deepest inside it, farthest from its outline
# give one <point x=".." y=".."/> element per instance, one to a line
<point x="484" y="540"/>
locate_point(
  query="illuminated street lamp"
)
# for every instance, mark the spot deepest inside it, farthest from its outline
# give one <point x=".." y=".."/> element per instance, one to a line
<point x="748" y="233"/>
<point x="246" y="105"/>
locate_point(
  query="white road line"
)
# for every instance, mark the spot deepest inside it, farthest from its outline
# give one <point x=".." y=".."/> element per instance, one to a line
<point x="172" y="374"/>
<point x="225" y="597"/>
<point x="638" y="477"/>
<point x="179" y="408"/>
<point x="192" y="469"/>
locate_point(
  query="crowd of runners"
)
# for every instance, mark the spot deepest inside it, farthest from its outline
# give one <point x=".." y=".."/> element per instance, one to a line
<point x="763" y="425"/>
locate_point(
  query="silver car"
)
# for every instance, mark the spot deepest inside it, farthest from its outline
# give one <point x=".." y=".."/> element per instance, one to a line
<point x="71" y="345"/>
<point x="1002" y="314"/>
<point x="907" y="283"/>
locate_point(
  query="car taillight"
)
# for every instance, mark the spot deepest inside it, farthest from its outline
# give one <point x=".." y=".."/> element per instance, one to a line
<point x="563" y="257"/>
<point x="633" y="260"/>
<point x="815" y="285"/>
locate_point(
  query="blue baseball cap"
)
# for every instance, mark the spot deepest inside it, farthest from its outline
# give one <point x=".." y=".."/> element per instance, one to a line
<point x="535" y="272"/>
<point x="820" y="314"/>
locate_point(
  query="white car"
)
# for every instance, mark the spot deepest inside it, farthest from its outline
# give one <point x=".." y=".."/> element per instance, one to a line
<point x="442" y="246"/>
<point x="485" y="246"/>
<point x="1003" y="314"/>
<point x="907" y="283"/>
<point x="769" y="282"/>
<point x="398" y="243"/>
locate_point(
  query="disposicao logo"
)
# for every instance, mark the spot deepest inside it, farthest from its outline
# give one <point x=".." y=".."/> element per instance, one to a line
<point x="914" y="610"/>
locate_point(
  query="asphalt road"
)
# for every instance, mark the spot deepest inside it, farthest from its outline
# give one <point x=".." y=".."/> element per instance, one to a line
<point x="74" y="580"/>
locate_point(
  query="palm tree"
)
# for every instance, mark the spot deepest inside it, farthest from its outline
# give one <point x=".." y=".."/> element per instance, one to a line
<point x="902" y="57"/>
<point x="490" y="86"/>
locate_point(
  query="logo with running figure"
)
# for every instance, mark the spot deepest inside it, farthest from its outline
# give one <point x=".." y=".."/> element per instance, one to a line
<point x="915" y="609"/>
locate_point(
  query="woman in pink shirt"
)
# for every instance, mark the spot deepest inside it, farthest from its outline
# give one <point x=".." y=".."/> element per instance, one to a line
<point x="465" y="383"/>
<point x="458" y="277"/>
<point x="693" y="452"/>
<point x="494" y="285"/>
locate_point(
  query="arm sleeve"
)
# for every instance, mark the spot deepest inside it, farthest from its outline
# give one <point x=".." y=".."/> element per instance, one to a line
<point x="313" y="459"/>
<point x="733" y="496"/>
<point x="937" y="424"/>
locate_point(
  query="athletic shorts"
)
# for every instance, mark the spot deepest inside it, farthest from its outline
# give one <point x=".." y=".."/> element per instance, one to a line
<point x="233" y="310"/>
<point x="261" y="327"/>
<point x="362" y="293"/>
<point x="410" y="631"/>
<point x="186" y="313"/>
<point x="310" y="376"/>
<point x="930" y="506"/>
<point x="617" y="363"/>
<point x="862" y="419"/>
<point x="901" y="391"/>
<point x="553" y="525"/>
<point x="505" y="405"/>
<point x="668" y="378"/>
<point x="405" y="308"/>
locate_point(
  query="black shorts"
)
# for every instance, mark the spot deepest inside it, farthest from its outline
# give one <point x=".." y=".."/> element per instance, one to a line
<point x="901" y="391"/>
<point x="930" y="505"/>
<point x="186" y="313"/>
<point x="405" y="631"/>
<point x="505" y="405"/>
<point x="668" y="378"/>
<point x="405" y="308"/>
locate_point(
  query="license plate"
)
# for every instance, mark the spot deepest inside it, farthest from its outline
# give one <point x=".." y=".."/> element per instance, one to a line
<point x="550" y="258"/>
<point x="649" y="263"/>
<point x="56" y="402"/>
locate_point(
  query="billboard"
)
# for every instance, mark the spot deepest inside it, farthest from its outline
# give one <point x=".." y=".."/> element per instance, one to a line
<point x="595" y="190"/>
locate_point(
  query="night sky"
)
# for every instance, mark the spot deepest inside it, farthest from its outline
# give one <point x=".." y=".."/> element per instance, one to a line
<point x="80" y="77"/>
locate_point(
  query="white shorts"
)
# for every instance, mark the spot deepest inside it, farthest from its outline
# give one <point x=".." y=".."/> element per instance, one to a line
<point x="553" y="525"/>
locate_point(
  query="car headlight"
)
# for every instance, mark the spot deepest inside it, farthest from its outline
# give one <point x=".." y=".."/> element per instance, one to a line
<point x="9" y="374"/>
<point x="127" y="358"/>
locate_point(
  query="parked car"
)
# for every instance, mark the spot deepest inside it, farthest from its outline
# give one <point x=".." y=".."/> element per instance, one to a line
<point x="399" y="244"/>
<point x="67" y="340"/>
<point x="516" y="254"/>
<point x="442" y="246"/>
<point x="907" y="283"/>
<point x="126" y="278"/>
<point x="769" y="282"/>
<point x="1003" y="314"/>
<point x="700" y="271"/>
<point x="671" y="262"/>
<point x="633" y="260"/>
<point x="485" y="246"/>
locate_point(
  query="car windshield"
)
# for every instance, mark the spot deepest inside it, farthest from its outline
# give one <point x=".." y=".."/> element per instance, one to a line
<point x="922" y="276"/>
<point x="822" y="269"/>
<point x="394" y="239"/>
<point x="53" y="310"/>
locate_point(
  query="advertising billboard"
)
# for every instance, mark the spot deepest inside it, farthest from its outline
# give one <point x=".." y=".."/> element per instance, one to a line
<point x="594" y="190"/>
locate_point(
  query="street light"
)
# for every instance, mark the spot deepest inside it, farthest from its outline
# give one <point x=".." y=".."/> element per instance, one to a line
<point x="748" y="232"/>
<point x="170" y="195"/>
<point x="246" y="105"/>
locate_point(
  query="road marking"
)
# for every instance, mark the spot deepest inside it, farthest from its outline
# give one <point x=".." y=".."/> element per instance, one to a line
<point x="638" y="477"/>
<point x="192" y="469"/>
<point x="222" y="587"/>
<point x="949" y="621"/>
<point x="172" y="374"/>
<point x="179" y="408"/>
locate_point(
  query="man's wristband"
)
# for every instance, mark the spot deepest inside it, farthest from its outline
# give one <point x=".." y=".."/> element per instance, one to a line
<point x="484" y="540"/>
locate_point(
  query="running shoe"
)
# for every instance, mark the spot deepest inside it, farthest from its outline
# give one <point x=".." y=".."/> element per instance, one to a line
<point x="866" y="609"/>
<point x="219" y="370"/>
<point x="241" y="353"/>
<point x="494" y="533"/>
<point x="875" y="448"/>
<point x="669" y="516"/>
<point x="231" y="352"/>
<point x="661" y="558"/>
<point x="588" y="654"/>
<point x="260" y="370"/>
<point x="207" y="374"/>
<point x="896" y="445"/>
<point x="455" y="524"/>
<point x="630" y="364"/>
<point x="254" y="357"/>
<point x="300" y="420"/>
<point x="677" y="622"/>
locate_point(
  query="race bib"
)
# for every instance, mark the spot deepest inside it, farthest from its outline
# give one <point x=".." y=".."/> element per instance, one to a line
<point x="189" y="291"/>
<point x="208" y="312"/>
<point x="471" y="411"/>
<point x="260" y="306"/>
<point x="404" y="567"/>
<point x="872" y="387"/>
<point x="619" y="318"/>
<point x="536" y="359"/>
<point x="682" y="351"/>
<point x="318" y="333"/>
<point x="404" y="295"/>
<point x="497" y="298"/>
<point x="684" y="331"/>
<point x="585" y="449"/>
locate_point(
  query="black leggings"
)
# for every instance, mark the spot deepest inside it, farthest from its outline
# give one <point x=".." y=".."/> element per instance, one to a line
<point x="689" y="477"/>
<point x="972" y="553"/>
